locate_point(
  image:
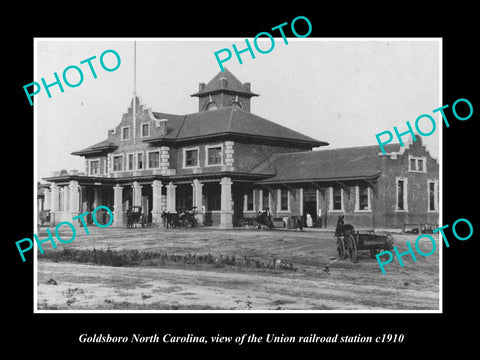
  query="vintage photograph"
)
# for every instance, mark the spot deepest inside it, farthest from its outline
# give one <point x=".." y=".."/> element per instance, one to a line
<point x="260" y="188"/>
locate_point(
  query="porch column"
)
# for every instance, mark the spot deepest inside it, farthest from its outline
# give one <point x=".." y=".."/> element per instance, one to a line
<point x="47" y="203"/>
<point x="226" y="204"/>
<point x="55" y="203"/>
<point x="117" y="206"/>
<point x="54" y="197"/>
<point x="97" y="197"/>
<point x="66" y="191"/>
<point x="74" y="198"/>
<point x="137" y="194"/>
<point x="157" y="202"/>
<point x="97" y="201"/>
<point x="197" y="200"/>
<point x="171" y="198"/>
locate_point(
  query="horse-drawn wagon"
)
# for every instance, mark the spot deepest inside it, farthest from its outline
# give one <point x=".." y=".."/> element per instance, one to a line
<point x="135" y="216"/>
<point x="350" y="241"/>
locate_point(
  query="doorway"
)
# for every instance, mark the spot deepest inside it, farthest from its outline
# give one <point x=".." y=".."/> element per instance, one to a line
<point x="310" y="205"/>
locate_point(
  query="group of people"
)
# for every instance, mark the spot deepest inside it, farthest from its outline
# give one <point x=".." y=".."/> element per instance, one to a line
<point x="265" y="218"/>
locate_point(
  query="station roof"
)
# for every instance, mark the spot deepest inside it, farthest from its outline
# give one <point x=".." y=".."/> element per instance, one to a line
<point x="324" y="165"/>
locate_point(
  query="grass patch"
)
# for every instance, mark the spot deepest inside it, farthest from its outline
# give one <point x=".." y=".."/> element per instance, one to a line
<point x="125" y="258"/>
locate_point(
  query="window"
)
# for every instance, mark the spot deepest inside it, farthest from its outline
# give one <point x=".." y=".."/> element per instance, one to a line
<point x="417" y="164"/>
<point x="145" y="130"/>
<point x="420" y="165"/>
<point x="401" y="194"/>
<point x="249" y="201"/>
<point x="214" y="155"/>
<point x="191" y="158"/>
<point x="337" y="198"/>
<point x="413" y="164"/>
<point x="363" y="198"/>
<point x="94" y="167"/>
<point x="212" y="106"/>
<point x="118" y="163"/>
<point x="153" y="159"/>
<point x="284" y="200"/>
<point x="126" y="133"/>
<point x="140" y="161"/>
<point x="130" y="159"/>
<point x="432" y="196"/>
<point x="104" y="166"/>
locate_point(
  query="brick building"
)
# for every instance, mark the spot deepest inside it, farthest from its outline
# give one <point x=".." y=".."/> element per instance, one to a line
<point x="229" y="164"/>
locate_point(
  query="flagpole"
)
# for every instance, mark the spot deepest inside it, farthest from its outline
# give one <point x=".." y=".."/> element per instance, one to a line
<point x="134" y="90"/>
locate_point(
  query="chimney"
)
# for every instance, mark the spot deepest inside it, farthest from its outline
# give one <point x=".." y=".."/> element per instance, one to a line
<point x="201" y="86"/>
<point x="162" y="124"/>
<point x="247" y="86"/>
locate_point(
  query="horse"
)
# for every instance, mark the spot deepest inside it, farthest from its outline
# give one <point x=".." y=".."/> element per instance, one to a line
<point x="171" y="219"/>
<point x="343" y="229"/>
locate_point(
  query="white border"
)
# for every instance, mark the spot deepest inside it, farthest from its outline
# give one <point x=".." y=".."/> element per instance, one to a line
<point x="307" y="39"/>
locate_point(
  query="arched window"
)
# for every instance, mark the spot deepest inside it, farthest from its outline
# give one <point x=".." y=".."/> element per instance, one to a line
<point x="211" y="106"/>
<point x="236" y="104"/>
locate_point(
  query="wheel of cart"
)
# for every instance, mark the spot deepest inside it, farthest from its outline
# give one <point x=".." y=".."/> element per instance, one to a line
<point x="341" y="248"/>
<point x="351" y="243"/>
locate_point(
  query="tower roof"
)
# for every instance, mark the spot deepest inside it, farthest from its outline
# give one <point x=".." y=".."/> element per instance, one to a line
<point x="225" y="81"/>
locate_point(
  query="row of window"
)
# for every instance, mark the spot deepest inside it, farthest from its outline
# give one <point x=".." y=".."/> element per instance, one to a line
<point x="363" y="201"/>
<point x="136" y="161"/>
<point x="417" y="164"/>
<point x="362" y="198"/>
<point x="213" y="156"/>
<point x="144" y="131"/>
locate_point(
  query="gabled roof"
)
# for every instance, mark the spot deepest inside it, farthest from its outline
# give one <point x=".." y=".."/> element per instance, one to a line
<point x="324" y="165"/>
<point x="232" y="121"/>
<point x="232" y="85"/>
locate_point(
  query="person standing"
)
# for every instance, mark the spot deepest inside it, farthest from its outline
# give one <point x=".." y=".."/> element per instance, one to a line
<point x="309" y="220"/>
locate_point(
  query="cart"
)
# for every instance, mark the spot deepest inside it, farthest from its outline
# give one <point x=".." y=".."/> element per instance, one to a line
<point x="134" y="215"/>
<point x="354" y="241"/>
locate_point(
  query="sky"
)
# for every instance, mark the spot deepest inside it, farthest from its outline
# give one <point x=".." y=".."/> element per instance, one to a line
<point x="342" y="91"/>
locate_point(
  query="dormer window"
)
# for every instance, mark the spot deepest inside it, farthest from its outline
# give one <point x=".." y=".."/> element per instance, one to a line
<point x="94" y="167"/>
<point x="417" y="164"/>
<point x="212" y="106"/>
<point x="145" y="130"/>
<point x="126" y="133"/>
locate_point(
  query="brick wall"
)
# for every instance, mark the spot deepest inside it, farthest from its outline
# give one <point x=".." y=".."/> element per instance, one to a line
<point x="249" y="155"/>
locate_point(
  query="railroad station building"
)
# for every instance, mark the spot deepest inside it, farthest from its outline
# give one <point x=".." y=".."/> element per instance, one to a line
<point x="229" y="164"/>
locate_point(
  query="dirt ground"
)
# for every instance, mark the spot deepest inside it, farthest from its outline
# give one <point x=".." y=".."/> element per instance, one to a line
<point x="300" y="279"/>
